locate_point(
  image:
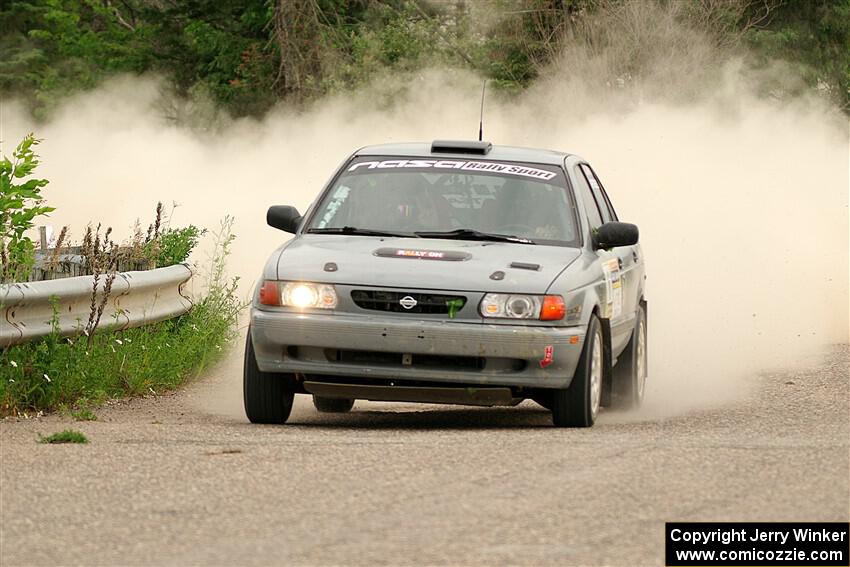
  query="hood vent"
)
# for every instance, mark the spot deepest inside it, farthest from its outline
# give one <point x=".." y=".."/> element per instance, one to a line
<point x="525" y="266"/>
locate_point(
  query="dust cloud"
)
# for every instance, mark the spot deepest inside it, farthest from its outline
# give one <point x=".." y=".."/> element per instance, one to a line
<point x="741" y="200"/>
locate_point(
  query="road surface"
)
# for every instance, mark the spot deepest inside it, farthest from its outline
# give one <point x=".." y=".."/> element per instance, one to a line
<point x="183" y="479"/>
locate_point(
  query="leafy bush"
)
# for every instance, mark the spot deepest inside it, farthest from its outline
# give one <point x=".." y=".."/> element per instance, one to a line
<point x="20" y="204"/>
<point x="175" y="245"/>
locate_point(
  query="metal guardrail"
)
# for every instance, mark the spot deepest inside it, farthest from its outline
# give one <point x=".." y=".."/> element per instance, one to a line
<point x="136" y="298"/>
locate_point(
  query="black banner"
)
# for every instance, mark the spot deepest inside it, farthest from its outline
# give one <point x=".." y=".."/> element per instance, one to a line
<point x="692" y="544"/>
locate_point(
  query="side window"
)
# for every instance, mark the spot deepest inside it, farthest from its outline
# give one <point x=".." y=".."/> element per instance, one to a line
<point x="589" y="202"/>
<point x="599" y="194"/>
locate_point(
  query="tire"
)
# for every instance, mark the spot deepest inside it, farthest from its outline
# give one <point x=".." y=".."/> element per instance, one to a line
<point x="333" y="405"/>
<point x="267" y="396"/>
<point x="631" y="370"/>
<point x="578" y="405"/>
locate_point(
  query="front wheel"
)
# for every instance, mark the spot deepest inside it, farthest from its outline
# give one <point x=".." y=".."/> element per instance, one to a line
<point x="267" y="396"/>
<point x="578" y="405"/>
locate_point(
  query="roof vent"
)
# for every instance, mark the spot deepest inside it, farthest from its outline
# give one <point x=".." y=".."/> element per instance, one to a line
<point x="460" y="147"/>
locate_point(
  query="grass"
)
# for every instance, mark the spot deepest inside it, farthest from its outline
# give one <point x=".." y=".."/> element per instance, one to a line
<point x="67" y="436"/>
<point x="84" y="414"/>
<point x="47" y="374"/>
<point x="81" y="371"/>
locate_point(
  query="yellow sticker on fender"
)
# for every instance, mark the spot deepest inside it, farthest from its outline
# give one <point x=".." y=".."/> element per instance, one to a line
<point x="613" y="288"/>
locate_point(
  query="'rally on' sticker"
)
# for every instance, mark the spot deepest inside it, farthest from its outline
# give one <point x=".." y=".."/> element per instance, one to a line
<point x="444" y="255"/>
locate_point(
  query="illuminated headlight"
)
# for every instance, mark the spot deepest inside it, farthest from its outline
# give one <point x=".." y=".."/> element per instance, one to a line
<point x="301" y="295"/>
<point x="308" y="295"/>
<point x="517" y="306"/>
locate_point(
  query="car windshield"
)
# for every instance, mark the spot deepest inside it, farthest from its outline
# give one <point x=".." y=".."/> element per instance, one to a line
<point x="466" y="199"/>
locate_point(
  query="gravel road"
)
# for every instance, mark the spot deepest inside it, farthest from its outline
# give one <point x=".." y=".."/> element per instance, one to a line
<point x="183" y="479"/>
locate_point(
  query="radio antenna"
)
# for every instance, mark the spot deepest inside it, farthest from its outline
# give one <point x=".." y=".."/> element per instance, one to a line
<point x="481" y="117"/>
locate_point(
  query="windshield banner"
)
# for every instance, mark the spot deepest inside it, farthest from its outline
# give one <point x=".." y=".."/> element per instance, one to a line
<point x="479" y="166"/>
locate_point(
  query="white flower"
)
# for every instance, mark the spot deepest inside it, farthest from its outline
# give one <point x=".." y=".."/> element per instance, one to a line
<point x="46" y="377"/>
<point x="119" y="341"/>
<point x="12" y="380"/>
<point x="13" y="363"/>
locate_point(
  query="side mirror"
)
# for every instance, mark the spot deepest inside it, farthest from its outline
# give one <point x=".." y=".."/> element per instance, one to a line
<point x="613" y="234"/>
<point x="283" y="217"/>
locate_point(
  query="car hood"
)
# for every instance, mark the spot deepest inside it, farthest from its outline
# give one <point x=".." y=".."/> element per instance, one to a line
<point x="423" y="263"/>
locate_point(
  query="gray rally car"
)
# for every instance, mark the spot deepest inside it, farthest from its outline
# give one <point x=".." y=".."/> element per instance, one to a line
<point x="452" y="272"/>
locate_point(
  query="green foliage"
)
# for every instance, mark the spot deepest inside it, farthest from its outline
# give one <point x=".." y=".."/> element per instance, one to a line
<point x="246" y="55"/>
<point x="56" y="47"/>
<point x="228" y="51"/>
<point x="390" y="37"/>
<point x="56" y="372"/>
<point x="526" y="39"/>
<point x="175" y="245"/>
<point x="66" y="436"/>
<point x="222" y="49"/>
<point x="20" y="204"/>
<point x="814" y="35"/>
<point x="84" y="414"/>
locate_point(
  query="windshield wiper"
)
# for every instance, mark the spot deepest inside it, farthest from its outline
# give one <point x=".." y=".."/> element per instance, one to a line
<point x="359" y="232"/>
<point x="470" y="234"/>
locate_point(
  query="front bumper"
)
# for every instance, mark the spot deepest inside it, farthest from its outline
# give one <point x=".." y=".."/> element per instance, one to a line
<point x="405" y="348"/>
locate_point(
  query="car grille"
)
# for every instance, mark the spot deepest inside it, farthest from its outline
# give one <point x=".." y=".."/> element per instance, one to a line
<point x="394" y="301"/>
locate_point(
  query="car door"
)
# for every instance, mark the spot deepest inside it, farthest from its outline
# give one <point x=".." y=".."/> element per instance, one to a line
<point x="609" y="260"/>
<point x="628" y="258"/>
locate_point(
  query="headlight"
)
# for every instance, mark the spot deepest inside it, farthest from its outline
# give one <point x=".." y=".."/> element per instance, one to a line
<point x="302" y="295"/>
<point x="308" y="295"/>
<point x="519" y="306"/>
